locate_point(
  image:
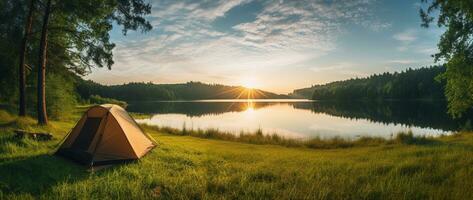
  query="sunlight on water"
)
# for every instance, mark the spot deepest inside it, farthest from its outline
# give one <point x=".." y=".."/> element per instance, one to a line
<point x="297" y="119"/>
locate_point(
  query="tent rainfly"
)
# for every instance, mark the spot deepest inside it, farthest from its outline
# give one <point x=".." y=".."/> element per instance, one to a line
<point x="105" y="134"/>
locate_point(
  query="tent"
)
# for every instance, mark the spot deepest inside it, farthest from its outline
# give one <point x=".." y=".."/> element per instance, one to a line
<point x="105" y="134"/>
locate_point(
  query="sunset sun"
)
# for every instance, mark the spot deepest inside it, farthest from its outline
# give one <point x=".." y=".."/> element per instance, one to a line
<point x="249" y="83"/>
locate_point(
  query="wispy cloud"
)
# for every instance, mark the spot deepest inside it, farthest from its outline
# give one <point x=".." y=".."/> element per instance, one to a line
<point x="336" y="66"/>
<point x="284" y="32"/>
<point x="406" y="38"/>
<point x="185" y="44"/>
<point x="401" y="61"/>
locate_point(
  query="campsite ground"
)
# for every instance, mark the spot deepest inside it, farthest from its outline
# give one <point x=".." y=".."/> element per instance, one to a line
<point x="184" y="167"/>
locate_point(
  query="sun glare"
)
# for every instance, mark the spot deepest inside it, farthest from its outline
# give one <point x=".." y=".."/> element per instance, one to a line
<point x="249" y="83"/>
<point x="250" y="107"/>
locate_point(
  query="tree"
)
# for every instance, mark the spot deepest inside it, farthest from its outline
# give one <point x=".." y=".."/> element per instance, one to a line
<point x="21" y="72"/>
<point x="81" y="35"/>
<point x="455" y="48"/>
<point x="43" y="46"/>
<point x="12" y="20"/>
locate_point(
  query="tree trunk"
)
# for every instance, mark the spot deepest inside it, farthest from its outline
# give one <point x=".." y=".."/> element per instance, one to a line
<point x="42" y="115"/>
<point x="21" y="73"/>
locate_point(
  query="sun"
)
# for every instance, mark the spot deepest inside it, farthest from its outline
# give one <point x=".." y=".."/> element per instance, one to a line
<point x="249" y="83"/>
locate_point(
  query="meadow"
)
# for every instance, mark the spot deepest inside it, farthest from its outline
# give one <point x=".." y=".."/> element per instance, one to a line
<point x="184" y="166"/>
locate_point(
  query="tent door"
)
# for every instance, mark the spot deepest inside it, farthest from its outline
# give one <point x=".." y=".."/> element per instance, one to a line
<point x="87" y="133"/>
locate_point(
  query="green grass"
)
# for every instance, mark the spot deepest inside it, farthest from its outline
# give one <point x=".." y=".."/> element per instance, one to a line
<point x="257" y="137"/>
<point x="185" y="167"/>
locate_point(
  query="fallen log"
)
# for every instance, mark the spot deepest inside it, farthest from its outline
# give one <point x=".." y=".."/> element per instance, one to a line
<point x="36" y="136"/>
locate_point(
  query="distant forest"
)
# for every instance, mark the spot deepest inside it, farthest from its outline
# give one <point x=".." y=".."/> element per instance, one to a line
<point x="410" y="84"/>
<point x="182" y="91"/>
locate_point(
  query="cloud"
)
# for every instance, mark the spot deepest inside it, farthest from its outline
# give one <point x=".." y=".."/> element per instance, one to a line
<point x="376" y="26"/>
<point x="185" y="45"/>
<point x="345" y="69"/>
<point x="336" y="66"/>
<point x="407" y="36"/>
<point x="306" y="24"/>
<point x="401" y="61"/>
<point x="428" y="50"/>
<point x="184" y="35"/>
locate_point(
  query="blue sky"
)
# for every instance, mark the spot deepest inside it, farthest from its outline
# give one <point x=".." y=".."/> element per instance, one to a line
<point x="273" y="45"/>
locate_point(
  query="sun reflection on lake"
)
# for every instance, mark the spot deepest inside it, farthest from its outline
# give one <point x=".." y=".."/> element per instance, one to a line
<point x="250" y="107"/>
<point x="295" y="119"/>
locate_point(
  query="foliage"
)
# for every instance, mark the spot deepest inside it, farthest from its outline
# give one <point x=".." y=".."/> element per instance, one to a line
<point x="78" y="40"/>
<point x="459" y="84"/>
<point x="184" y="167"/>
<point x="410" y="84"/>
<point x="10" y="32"/>
<point x="60" y="96"/>
<point x="188" y="91"/>
<point x="84" y="27"/>
<point x="96" y="99"/>
<point x="456" y="48"/>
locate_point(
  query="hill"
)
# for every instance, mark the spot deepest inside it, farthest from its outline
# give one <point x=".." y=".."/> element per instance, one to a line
<point x="181" y="91"/>
<point x="406" y="85"/>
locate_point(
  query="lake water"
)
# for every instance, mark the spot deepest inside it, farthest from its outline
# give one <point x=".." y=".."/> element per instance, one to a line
<point x="303" y="118"/>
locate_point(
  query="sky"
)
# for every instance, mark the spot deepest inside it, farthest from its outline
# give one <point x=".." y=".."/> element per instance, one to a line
<point x="275" y="45"/>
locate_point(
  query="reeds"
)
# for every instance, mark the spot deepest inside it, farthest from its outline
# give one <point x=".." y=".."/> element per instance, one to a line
<point x="257" y="137"/>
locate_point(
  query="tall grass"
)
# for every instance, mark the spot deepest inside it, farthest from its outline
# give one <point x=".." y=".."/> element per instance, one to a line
<point x="257" y="137"/>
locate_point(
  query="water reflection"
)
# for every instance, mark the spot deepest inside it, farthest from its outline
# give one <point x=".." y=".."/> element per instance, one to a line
<point x="304" y="118"/>
<point x="199" y="108"/>
<point x="425" y="114"/>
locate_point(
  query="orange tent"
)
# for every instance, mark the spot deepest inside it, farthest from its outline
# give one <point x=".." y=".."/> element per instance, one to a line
<point x="106" y="134"/>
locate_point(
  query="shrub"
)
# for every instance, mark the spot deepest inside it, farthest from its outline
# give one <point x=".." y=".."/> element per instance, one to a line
<point x="60" y="98"/>
<point x="409" y="138"/>
<point x="5" y="116"/>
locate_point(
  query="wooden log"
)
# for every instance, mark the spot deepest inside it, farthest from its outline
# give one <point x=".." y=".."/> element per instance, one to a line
<point x="36" y="136"/>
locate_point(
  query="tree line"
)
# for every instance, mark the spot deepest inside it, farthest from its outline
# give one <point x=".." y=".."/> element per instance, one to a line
<point x="455" y="49"/>
<point x="45" y="43"/>
<point x="181" y="91"/>
<point x="411" y="84"/>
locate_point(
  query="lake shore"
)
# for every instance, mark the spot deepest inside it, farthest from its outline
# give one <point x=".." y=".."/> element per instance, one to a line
<point x="305" y="119"/>
<point x="184" y="167"/>
<point x="257" y="137"/>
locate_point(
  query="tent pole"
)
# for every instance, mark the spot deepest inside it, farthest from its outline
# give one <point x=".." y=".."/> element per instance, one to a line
<point x="100" y="138"/>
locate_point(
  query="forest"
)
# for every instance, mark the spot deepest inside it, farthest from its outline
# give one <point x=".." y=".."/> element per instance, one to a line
<point x="181" y="91"/>
<point x="411" y="84"/>
<point x="48" y="45"/>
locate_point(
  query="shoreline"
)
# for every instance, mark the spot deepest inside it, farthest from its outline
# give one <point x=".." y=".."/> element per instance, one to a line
<point x="257" y="137"/>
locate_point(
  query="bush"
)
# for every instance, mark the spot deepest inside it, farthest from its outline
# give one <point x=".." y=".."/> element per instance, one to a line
<point x="96" y="99"/>
<point x="409" y="138"/>
<point x="5" y="116"/>
<point x="60" y="96"/>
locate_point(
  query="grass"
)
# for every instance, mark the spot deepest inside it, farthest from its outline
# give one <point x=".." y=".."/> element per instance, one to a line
<point x="257" y="137"/>
<point x="185" y="167"/>
<point x="140" y="115"/>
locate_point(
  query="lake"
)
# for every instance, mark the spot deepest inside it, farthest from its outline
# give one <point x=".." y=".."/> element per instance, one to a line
<point x="303" y="118"/>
